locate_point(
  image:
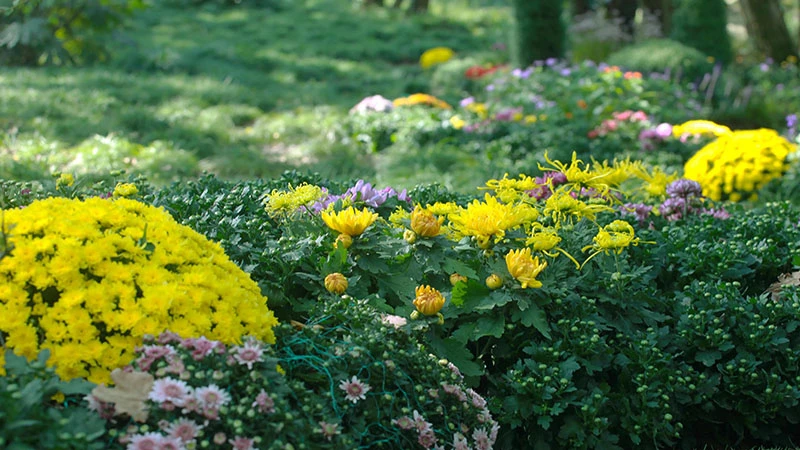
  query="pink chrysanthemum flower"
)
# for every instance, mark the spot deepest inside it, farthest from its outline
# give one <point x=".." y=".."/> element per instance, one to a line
<point x="184" y="429"/>
<point x="171" y="443"/>
<point x="427" y="439"/>
<point x="460" y="442"/>
<point x="248" y="354"/>
<point x="264" y="402"/>
<point x="404" y="423"/>
<point x="354" y="389"/>
<point x="147" y="441"/>
<point x="240" y="443"/>
<point x="329" y="430"/>
<point x="481" y="438"/>
<point x="201" y="347"/>
<point x="211" y="397"/>
<point x="170" y="390"/>
<point x="420" y="423"/>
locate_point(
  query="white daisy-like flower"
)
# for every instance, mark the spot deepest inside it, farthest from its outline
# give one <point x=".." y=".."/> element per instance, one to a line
<point x="170" y="390"/>
<point x="354" y="389"/>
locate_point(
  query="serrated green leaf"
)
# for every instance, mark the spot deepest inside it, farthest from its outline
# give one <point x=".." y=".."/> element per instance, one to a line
<point x="455" y="352"/>
<point x="708" y="358"/>
<point x="533" y="316"/>
<point x="493" y="325"/>
<point x="451" y="266"/>
<point x="568" y="367"/>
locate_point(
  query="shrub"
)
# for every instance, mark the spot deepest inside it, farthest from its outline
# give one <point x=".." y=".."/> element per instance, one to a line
<point x="704" y="26"/>
<point x="349" y="378"/>
<point x="659" y="55"/>
<point x="538" y="31"/>
<point x="39" y="411"/>
<point x="736" y="165"/>
<point x="47" y="32"/>
<point x="87" y="279"/>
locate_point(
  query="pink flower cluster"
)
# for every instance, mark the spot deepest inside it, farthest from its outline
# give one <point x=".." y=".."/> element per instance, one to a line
<point x="481" y="438"/>
<point x="611" y="125"/>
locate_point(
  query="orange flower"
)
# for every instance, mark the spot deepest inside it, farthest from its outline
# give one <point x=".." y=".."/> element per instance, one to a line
<point x="425" y="223"/>
<point x="428" y="301"/>
<point x="629" y="75"/>
<point x="582" y="104"/>
<point x="336" y="283"/>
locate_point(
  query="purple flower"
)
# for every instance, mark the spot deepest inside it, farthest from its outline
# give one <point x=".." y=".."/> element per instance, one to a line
<point x="684" y="188"/>
<point x="467" y="101"/>
<point x="490" y="87"/>
<point x="764" y="67"/>
<point x="551" y="61"/>
<point x="639" y="210"/>
<point x="674" y="208"/>
<point x="565" y="72"/>
<point x="791" y="120"/>
<point x="524" y="74"/>
<point x="717" y="213"/>
<point x="663" y="130"/>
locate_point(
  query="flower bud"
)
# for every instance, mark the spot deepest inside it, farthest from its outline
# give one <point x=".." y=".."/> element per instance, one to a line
<point x="336" y="283"/>
<point x="494" y="281"/>
<point x="410" y="236"/>
<point x="428" y="301"/>
<point x="125" y="190"/>
<point x="415" y="315"/>
<point x="425" y="223"/>
<point x="455" y="278"/>
<point x="344" y="240"/>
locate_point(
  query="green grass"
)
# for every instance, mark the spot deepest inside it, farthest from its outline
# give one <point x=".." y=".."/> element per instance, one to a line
<point x="244" y="92"/>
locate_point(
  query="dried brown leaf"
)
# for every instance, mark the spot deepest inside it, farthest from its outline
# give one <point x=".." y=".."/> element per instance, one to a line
<point x="129" y="393"/>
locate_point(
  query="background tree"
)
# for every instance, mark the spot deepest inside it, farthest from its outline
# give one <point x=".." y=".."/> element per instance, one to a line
<point x="704" y="26"/>
<point x="766" y="25"/>
<point x="625" y="10"/>
<point x="662" y="9"/>
<point x="538" y="31"/>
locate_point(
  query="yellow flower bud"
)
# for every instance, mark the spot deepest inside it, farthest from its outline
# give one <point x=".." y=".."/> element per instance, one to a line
<point x="425" y="223"/>
<point x="415" y="315"/>
<point x="65" y="179"/>
<point x="410" y="236"/>
<point x="428" y="301"/>
<point x="344" y="240"/>
<point x="125" y="190"/>
<point x="455" y="278"/>
<point x="494" y="281"/>
<point x="336" y="283"/>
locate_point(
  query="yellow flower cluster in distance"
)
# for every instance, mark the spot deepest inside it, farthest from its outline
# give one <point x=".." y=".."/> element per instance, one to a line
<point x="434" y="56"/>
<point x="736" y="165"/>
<point x="287" y="202"/>
<point x="700" y="127"/>
<point x="421" y="99"/>
<point x="88" y="279"/>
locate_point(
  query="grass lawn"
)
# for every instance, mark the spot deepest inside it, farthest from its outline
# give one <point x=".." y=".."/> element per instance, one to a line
<point x="241" y="92"/>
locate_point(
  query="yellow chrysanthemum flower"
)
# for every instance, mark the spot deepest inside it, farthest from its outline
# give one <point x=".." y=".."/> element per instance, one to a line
<point x="287" y="202"/>
<point x="428" y="300"/>
<point x="350" y="221"/>
<point x="738" y="164"/>
<point x="457" y="122"/>
<point x="125" y="190"/>
<point x="424" y="223"/>
<point x="700" y="127"/>
<point x="421" y="99"/>
<point x="88" y="279"/>
<point x="490" y="219"/>
<point x="563" y="207"/>
<point x="655" y="181"/>
<point x="336" y="283"/>
<point x="525" y="268"/>
<point x="581" y="177"/>
<point x="510" y="190"/>
<point x="434" y="56"/>
<point x="612" y="238"/>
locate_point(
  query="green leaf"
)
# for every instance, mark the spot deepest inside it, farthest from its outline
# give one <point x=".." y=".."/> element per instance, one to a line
<point x="455" y="352"/>
<point x="493" y="325"/>
<point x="708" y="358"/>
<point x="494" y="300"/>
<point x="533" y="316"/>
<point x="468" y="294"/>
<point x="568" y="367"/>
<point x="451" y="266"/>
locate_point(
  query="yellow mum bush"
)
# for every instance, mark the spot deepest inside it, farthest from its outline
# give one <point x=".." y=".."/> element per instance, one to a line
<point x="421" y="99"/>
<point x="434" y="56"/>
<point x="88" y="279"/>
<point x="736" y="165"/>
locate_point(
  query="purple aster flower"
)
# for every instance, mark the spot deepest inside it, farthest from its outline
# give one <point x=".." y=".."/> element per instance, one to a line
<point x="791" y="120"/>
<point x="565" y="72"/>
<point x="551" y="61"/>
<point x="717" y="213"/>
<point x="764" y="67"/>
<point x="684" y="188"/>
<point x="639" y="210"/>
<point x="490" y="87"/>
<point x="674" y="208"/>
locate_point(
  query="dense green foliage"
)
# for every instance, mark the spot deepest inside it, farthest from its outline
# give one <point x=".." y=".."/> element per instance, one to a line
<point x="538" y="31"/>
<point x="658" y="55"/>
<point x="704" y="26"/>
<point x="30" y="418"/>
<point x="55" y="32"/>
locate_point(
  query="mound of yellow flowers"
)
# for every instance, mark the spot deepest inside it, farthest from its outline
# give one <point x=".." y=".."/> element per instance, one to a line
<point x="88" y="279"/>
<point x="737" y="164"/>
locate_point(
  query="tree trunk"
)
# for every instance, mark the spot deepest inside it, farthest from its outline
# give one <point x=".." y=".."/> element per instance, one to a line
<point x="625" y="10"/>
<point x="419" y="6"/>
<point x="765" y="24"/>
